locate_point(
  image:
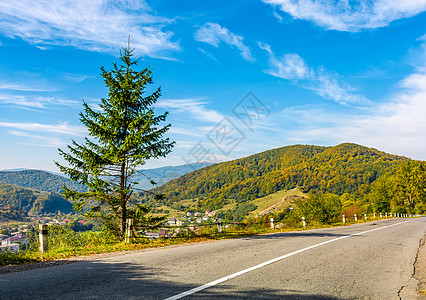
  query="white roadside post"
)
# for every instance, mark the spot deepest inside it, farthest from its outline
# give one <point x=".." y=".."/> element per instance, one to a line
<point x="374" y="215"/>
<point x="344" y="221"/>
<point x="128" y="231"/>
<point x="219" y="225"/>
<point x="381" y="215"/>
<point x="272" y="223"/>
<point x="303" y="222"/>
<point x="386" y="215"/>
<point x="356" y="219"/>
<point x="42" y="236"/>
<point x="390" y="215"/>
<point x="365" y="216"/>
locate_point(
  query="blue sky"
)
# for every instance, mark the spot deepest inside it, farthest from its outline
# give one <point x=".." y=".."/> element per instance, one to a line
<point x="237" y="77"/>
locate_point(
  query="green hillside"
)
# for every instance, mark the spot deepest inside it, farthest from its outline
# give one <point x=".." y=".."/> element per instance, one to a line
<point x="38" y="180"/>
<point x="345" y="168"/>
<point x="17" y="202"/>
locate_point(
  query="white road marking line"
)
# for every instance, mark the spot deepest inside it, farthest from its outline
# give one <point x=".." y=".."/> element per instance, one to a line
<point x="229" y="277"/>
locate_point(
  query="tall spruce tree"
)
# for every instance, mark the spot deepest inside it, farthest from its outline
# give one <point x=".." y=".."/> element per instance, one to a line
<point x="123" y="135"/>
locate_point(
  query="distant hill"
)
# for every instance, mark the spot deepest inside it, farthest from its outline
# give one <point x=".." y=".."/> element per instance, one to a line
<point x="17" y="202"/>
<point x="24" y="191"/>
<point x="38" y="180"/>
<point x="164" y="174"/>
<point x="345" y="168"/>
<point x="53" y="182"/>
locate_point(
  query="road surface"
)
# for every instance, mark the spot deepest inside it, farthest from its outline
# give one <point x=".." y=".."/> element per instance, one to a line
<point x="364" y="261"/>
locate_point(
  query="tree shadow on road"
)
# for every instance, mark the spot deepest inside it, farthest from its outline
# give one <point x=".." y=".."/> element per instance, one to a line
<point x="116" y="280"/>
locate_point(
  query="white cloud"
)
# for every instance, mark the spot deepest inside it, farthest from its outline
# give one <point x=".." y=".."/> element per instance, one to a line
<point x="290" y="66"/>
<point x="265" y="47"/>
<point x="15" y="86"/>
<point x="96" y="25"/>
<point x="185" y="131"/>
<point x="415" y="81"/>
<point x="60" y="128"/>
<point x="195" y="107"/>
<point x="39" y="140"/>
<point x="76" y="77"/>
<point x="33" y="101"/>
<point x="352" y="16"/>
<point x="213" y="34"/>
<point x="397" y="126"/>
<point x="327" y="84"/>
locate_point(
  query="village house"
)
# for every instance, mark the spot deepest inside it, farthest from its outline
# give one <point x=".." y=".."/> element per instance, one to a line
<point x="171" y="221"/>
<point x="17" y="238"/>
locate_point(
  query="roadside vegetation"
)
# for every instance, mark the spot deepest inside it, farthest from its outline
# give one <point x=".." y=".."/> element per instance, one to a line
<point x="65" y="242"/>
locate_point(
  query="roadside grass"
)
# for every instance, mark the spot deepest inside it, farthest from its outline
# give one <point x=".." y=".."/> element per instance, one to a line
<point x="65" y="243"/>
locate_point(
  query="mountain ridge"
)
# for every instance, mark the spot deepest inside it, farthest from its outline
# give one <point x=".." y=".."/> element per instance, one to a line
<point x="344" y="168"/>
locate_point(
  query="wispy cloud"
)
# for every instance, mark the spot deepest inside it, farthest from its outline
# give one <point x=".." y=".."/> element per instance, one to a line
<point x="327" y="84"/>
<point x="397" y="126"/>
<point x="34" y="101"/>
<point x="214" y="34"/>
<point x="98" y="25"/>
<point x="76" y="77"/>
<point x="195" y="107"/>
<point x="346" y="15"/>
<point x="60" y="128"/>
<point x="15" y="86"/>
<point x="290" y="66"/>
<point x="39" y="140"/>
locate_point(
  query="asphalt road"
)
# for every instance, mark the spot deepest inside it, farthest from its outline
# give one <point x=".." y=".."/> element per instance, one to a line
<point x="365" y="261"/>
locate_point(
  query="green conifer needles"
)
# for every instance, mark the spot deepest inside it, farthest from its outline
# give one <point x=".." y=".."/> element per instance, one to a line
<point x="123" y="134"/>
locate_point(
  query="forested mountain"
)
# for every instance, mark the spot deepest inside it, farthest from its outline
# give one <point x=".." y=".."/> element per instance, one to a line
<point x="164" y="174"/>
<point x="53" y="183"/>
<point x="38" y="180"/>
<point x="342" y="169"/>
<point x="26" y="191"/>
<point x="16" y="202"/>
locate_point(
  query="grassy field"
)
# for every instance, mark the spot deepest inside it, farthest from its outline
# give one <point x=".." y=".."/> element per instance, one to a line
<point x="274" y="202"/>
<point x="271" y="203"/>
